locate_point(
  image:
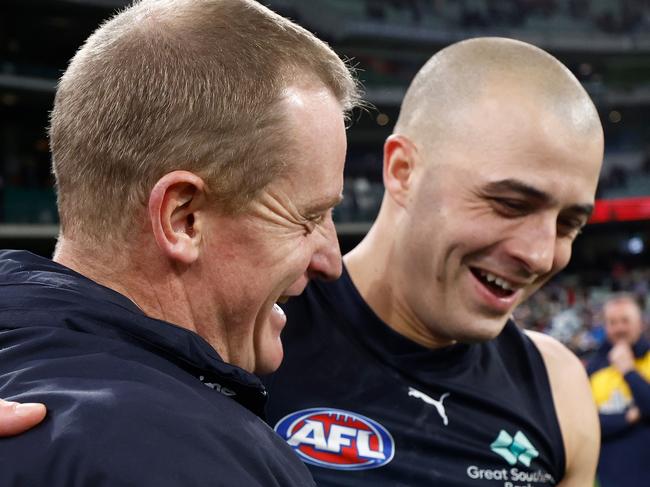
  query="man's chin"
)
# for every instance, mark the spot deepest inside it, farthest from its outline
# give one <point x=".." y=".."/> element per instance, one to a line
<point x="484" y="332"/>
<point x="269" y="363"/>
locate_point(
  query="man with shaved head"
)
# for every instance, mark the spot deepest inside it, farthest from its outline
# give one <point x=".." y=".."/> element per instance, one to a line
<point x="620" y="380"/>
<point x="408" y="369"/>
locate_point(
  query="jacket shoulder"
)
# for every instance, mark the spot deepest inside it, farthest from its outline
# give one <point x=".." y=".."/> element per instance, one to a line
<point x="114" y="421"/>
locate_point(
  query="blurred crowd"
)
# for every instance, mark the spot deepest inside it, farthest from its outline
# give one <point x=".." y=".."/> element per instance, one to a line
<point x="604" y="15"/>
<point x="364" y="189"/>
<point x="621" y="181"/>
<point x="569" y="307"/>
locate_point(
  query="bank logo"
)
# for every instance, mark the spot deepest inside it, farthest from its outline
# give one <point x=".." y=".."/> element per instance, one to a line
<point x="514" y="449"/>
<point x="337" y="439"/>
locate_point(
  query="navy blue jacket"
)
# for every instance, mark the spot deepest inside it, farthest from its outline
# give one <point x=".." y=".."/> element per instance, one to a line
<point x="624" y="456"/>
<point x="132" y="401"/>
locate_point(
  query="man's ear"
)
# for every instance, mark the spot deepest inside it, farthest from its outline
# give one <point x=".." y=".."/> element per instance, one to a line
<point x="174" y="204"/>
<point x="399" y="163"/>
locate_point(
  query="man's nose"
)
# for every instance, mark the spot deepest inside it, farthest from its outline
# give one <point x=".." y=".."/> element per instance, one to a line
<point x="326" y="261"/>
<point x="535" y="245"/>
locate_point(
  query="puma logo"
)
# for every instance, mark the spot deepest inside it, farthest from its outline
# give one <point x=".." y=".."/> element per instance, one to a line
<point x="429" y="400"/>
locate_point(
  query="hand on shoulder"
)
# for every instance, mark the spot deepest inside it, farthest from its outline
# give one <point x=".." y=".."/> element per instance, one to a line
<point x="16" y="418"/>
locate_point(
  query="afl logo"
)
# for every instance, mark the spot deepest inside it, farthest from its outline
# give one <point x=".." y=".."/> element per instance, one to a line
<point x="337" y="439"/>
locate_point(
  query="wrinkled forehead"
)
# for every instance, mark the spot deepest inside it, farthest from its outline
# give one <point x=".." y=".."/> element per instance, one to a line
<point x="315" y="146"/>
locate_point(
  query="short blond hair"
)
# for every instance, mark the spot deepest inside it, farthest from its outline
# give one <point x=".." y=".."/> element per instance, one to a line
<point x="179" y="84"/>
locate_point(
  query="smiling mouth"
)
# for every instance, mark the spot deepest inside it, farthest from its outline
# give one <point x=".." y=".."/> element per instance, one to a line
<point x="497" y="285"/>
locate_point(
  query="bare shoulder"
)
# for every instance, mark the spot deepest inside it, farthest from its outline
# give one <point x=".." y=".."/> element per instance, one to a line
<point x="555" y="354"/>
<point x="575" y="409"/>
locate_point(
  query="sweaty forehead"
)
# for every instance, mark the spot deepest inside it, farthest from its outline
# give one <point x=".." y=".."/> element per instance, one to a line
<point x="569" y="107"/>
<point x="503" y="138"/>
<point x="460" y="76"/>
<point x="506" y="105"/>
<point x="502" y="122"/>
<point x="506" y="108"/>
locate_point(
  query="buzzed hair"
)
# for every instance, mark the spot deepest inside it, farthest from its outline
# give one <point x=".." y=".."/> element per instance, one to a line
<point x="180" y="84"/>
<point x="463" y="73"/>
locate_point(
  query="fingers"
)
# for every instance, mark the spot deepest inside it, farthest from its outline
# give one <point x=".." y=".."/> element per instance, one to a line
<point x="621" y="357"/>
<point x="633" y="415"/>
<point x="16" y="418"/>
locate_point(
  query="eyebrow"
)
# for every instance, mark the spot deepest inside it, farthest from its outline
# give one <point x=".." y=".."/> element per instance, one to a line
<point x="322" y="205"/>
<point x="517" y="186"/>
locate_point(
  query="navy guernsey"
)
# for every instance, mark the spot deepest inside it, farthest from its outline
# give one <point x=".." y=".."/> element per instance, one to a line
<point x="132" y="401"/>
<point x="364" y="406"/>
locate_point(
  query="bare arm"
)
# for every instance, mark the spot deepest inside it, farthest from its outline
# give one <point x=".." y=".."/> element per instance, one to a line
<point x="16" y="418"/>
<point x="575" y="408"/>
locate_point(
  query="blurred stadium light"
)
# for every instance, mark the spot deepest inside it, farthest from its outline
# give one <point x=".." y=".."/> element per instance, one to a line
<point x="605" y="43"/>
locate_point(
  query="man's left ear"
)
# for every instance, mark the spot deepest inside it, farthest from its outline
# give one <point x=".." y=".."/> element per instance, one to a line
<point x="175" y="203"/>
<point x="399" y="165"/>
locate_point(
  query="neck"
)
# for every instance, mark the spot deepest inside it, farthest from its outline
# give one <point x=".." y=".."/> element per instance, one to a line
<point x="127" y="272"/>
<point x="374" y="268"/>
<point x="91" y="261"/>
<point x="160" y="288"/>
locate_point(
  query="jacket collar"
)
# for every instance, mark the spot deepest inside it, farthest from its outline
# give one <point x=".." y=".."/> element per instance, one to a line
<point x="35" y="291"/>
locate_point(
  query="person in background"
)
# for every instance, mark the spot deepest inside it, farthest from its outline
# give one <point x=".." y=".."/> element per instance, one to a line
<point x="620" y="381"/>
<point x="198" y="149"/>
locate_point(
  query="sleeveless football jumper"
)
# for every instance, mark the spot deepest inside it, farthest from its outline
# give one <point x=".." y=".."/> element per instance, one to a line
<point x="365" y="406"/>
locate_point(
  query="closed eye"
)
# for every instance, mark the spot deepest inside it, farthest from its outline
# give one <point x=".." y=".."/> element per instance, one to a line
<point x="511" y="206"/>
<point x="570" y="228"/>
<point x="312" y="222"/>
<point x="317" y="214"/>
<point x="318" y="219"/>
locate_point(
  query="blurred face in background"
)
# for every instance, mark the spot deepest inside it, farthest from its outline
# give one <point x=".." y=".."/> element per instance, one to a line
<point x="623" y="321"/>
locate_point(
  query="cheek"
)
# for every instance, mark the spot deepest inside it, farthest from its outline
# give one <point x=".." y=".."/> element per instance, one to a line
<point x="562" y="255"/>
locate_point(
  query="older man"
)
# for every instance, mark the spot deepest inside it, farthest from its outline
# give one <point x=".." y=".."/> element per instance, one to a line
<point x="620" y="381"/>
<point x="198" y="149"/>
<point x="407" y="370"/>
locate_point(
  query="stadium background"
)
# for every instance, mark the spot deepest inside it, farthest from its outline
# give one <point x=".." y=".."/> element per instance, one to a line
<point x="606" y="43"/>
